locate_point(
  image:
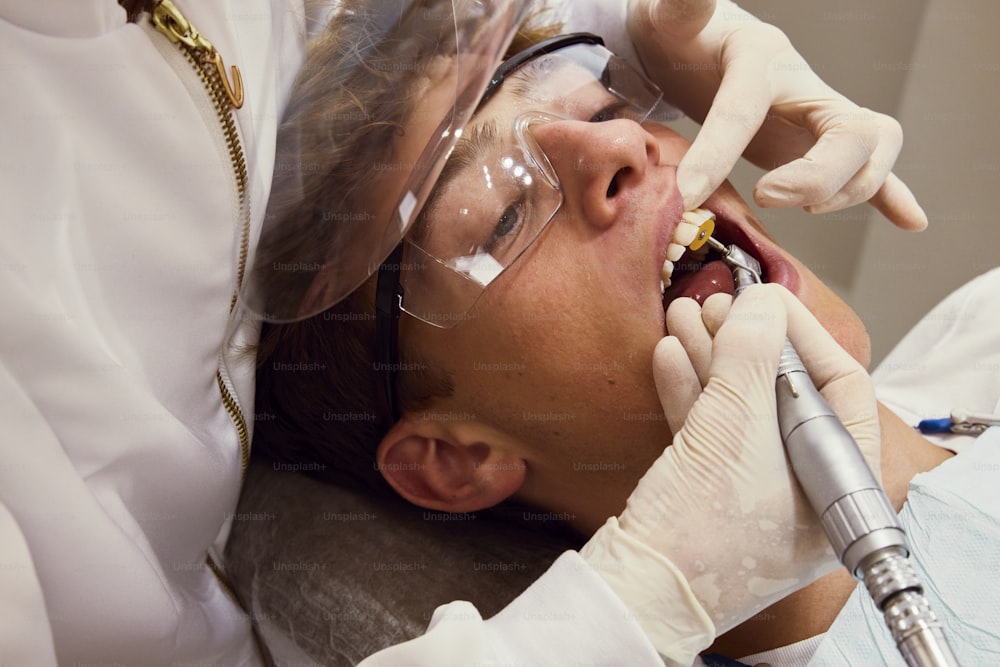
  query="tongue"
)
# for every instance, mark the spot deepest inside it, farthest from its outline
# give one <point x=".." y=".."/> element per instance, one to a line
<point x="712" y="278"/>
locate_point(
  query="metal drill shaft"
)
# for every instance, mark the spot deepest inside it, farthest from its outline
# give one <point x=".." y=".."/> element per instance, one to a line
<point x="746" y="269"/>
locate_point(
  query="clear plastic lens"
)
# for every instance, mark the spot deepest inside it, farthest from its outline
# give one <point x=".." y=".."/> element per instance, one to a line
<point x="493" y="209"/>
<point x="498" y="190"/>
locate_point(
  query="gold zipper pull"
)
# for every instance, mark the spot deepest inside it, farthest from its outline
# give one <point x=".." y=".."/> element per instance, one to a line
<point x="170" y="21"/>
<point x="235" y="91"/>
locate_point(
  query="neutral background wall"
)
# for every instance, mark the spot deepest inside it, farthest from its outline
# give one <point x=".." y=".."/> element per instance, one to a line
<point x="935" y="66"/>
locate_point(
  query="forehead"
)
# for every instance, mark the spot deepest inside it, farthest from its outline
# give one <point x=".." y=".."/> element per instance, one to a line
<point x="554" y="82"/>
<point x="548" y="78"/>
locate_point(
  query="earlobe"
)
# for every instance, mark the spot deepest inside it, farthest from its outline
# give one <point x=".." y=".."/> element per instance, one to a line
<point x="448" y="467"/>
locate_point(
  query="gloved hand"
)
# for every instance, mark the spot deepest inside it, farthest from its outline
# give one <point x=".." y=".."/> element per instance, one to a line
<point x="718" y="528"/>
<point x="742" y="79"/>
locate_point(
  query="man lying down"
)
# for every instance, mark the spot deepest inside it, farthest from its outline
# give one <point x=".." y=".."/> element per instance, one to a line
<point x="511" y="336"/>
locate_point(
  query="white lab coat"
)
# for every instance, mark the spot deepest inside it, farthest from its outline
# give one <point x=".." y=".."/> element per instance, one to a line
<point x="119" y="464"/>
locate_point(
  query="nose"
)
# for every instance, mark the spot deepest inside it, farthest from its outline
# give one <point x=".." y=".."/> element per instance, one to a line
<point x="597" y="164"/>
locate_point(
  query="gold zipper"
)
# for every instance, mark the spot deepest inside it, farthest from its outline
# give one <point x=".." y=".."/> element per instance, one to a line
<point x="226" y="98"/>
<point x="171" y="22"/>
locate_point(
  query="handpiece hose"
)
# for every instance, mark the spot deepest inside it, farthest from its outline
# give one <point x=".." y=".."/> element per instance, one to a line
<point x="852" y="507"/>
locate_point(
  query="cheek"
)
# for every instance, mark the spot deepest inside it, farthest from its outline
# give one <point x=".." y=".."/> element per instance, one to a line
<point x="553" y="363"/>
<point x="850" y="333"/>
<point x="565" y="307"/>
<point x="836" y="317"/>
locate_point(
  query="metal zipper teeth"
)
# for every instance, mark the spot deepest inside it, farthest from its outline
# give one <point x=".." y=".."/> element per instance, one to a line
<point x="210" y="78"/>
<point x="223" y="109"/>
<point x="236" y="415"/>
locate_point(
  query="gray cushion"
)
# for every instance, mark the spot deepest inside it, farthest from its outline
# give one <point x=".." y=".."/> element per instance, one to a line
<point x="331" y="575"/>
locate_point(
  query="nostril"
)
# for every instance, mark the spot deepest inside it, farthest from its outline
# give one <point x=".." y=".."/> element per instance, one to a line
<point x="613" y="186"/>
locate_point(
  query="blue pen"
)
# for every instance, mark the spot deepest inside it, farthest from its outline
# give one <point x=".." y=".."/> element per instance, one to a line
<point x="962" y="422"/>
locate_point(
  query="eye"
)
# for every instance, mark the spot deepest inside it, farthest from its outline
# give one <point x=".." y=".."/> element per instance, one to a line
<point x="610" y="112"/>
<point x="503" y="237"/>
<point x="509" y="221"/>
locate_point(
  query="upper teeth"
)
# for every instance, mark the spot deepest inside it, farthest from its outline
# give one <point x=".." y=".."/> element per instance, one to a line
<point x="695" y="225"/>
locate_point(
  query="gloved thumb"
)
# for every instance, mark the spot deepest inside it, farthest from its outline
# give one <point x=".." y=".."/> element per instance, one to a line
<point x="677" y="383"/>
<point x="750" y="340"/>
<point x="840" y="378"/>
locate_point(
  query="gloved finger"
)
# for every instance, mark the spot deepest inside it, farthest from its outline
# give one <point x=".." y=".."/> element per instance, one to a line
<point x="842" y="149"/>
<point x="749" y="343"/>
<point x="861" y="187"/>
<point x="895" y="201"/>
<point x="677" y="384"/>
<point x="714" y="311"/>
<point x="870" y="177"/>
<point x="844" y="383"/>
<point x="737" y="112"/>
<point x="684" y="322"/>
<point x="675" y="19"/>
<point x="823" y="357"/>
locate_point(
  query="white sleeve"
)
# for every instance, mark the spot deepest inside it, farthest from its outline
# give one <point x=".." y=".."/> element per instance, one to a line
<point x="568" y="616"/>
<point x="25" y="635"/>
<point x="605" y="18"/>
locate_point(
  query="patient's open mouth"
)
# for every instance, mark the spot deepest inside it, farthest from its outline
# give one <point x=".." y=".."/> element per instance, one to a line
<point x="700" y="273"/>
<point x="700" y="281"/>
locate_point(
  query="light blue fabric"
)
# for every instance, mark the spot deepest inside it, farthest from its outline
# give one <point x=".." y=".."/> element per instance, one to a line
<point x="952" y="517"/>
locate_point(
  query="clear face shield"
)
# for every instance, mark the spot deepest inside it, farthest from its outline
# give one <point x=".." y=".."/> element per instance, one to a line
<point x="498" y="191"/>
<point x="375" y="111"/>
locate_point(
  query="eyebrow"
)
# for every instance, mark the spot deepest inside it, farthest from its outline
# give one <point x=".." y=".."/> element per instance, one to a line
<point x="484" y="138"/>
<point x="527" y="77"/>
<point x="468" y="152"/>
<point x="470" y="149"/>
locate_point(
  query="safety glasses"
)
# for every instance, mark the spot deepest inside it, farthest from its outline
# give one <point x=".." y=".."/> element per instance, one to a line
<point x="498" y="190"/>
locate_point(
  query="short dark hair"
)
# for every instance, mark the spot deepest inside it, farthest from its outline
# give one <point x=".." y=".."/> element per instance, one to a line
<point x="317" y="393"/>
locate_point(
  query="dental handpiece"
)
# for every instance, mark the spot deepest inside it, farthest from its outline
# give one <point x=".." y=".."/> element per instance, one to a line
<point x="852" y="506"/>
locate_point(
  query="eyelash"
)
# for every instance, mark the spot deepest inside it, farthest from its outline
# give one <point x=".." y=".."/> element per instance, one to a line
<point x="518" y="208"/>
<point x="610" y="112"/>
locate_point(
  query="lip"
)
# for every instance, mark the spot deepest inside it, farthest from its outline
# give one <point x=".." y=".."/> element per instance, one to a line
<point x="735" y="227"/>
<point x="668" y="217"/>
<point x="731" y="227"/>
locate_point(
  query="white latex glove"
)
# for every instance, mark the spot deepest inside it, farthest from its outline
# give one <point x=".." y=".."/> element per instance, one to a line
<point x="718" y="528"/>
<point x="741" y="78"/>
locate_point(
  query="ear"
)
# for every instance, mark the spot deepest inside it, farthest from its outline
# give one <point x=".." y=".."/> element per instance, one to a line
<point x="449" y="466"/>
